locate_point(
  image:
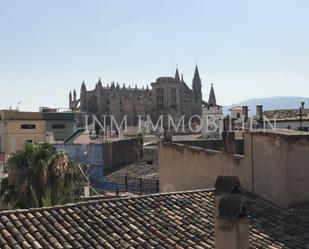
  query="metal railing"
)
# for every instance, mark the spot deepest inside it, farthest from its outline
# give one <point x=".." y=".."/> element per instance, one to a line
<point x="128" y="184"/>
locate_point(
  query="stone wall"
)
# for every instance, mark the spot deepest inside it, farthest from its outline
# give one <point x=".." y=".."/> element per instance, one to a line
<point x="122" y="152"/>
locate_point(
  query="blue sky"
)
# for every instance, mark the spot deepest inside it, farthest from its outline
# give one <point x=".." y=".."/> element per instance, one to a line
<point x="253" y="48"/>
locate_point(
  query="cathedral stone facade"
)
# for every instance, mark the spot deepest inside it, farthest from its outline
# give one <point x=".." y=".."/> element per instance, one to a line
<point x="167" y="96"/>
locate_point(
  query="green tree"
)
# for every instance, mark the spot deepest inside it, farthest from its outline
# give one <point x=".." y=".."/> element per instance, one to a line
<point x="39" y="175"/>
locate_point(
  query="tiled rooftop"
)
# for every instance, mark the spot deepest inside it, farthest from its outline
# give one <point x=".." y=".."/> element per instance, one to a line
<point x="134" y="171"/>
<point x="286" y="114"/>
<point x="173" y="220"/>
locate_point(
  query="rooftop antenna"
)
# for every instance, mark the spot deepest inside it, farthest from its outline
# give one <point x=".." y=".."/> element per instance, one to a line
<point x="172" y="67"/>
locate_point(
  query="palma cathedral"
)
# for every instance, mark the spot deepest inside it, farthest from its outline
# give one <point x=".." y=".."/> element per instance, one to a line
<point x="167" y="96"/>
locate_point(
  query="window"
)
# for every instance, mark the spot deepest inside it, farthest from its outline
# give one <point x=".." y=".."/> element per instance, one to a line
<point x="58" y="126"/>
<point x="173" y="95"/>
<point x="27" y="126"/>
<point x="238" y="115"/>
<point x="303" y="128"/>
<point x="160" y="100"/>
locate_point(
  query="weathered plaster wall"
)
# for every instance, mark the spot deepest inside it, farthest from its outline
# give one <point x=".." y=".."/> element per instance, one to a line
<point x="280" y="167"/>
<point x="186" y="168"/>
<point x="267" y="157"/>
<point x="274" y="166"/>
<point x="298" y="171"/>
<point x="151" y="154"/>
<point x="214" y="144"/>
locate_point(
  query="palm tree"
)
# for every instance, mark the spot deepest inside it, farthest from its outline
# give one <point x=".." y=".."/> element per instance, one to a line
<point x="38" y="176"/>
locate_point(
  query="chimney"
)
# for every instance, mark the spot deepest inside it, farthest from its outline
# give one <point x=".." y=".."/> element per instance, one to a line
<point x="259" y="114"/>
<point x="168" y="136"/>
<point x="245" y="112"/>
<point x="231" y="221"/>
<point x="229" y="144"/>
<point x="228" y="123"/>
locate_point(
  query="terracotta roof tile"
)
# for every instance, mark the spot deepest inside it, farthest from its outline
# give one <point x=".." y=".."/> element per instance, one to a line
<point x="174" y="220"/>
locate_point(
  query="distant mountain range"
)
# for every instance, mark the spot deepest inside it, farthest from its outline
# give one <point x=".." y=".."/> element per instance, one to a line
<point x="271" y="103"/>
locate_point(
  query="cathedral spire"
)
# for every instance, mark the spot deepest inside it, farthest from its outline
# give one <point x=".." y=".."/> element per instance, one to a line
<point x="212" y="97"/>
<point x="83" y="88"/>
<point x="196" y="75"/>
<point x="74" y="95"/>
<point x="197" y="84"/>
<point x="177" y="75"/>
<point x="70" y="96"/>
<point x="99" y="82"/>
<point x="113" y="85"/>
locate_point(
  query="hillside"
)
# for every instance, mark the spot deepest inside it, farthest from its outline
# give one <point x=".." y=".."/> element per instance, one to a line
<point x="271" y="103"/>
